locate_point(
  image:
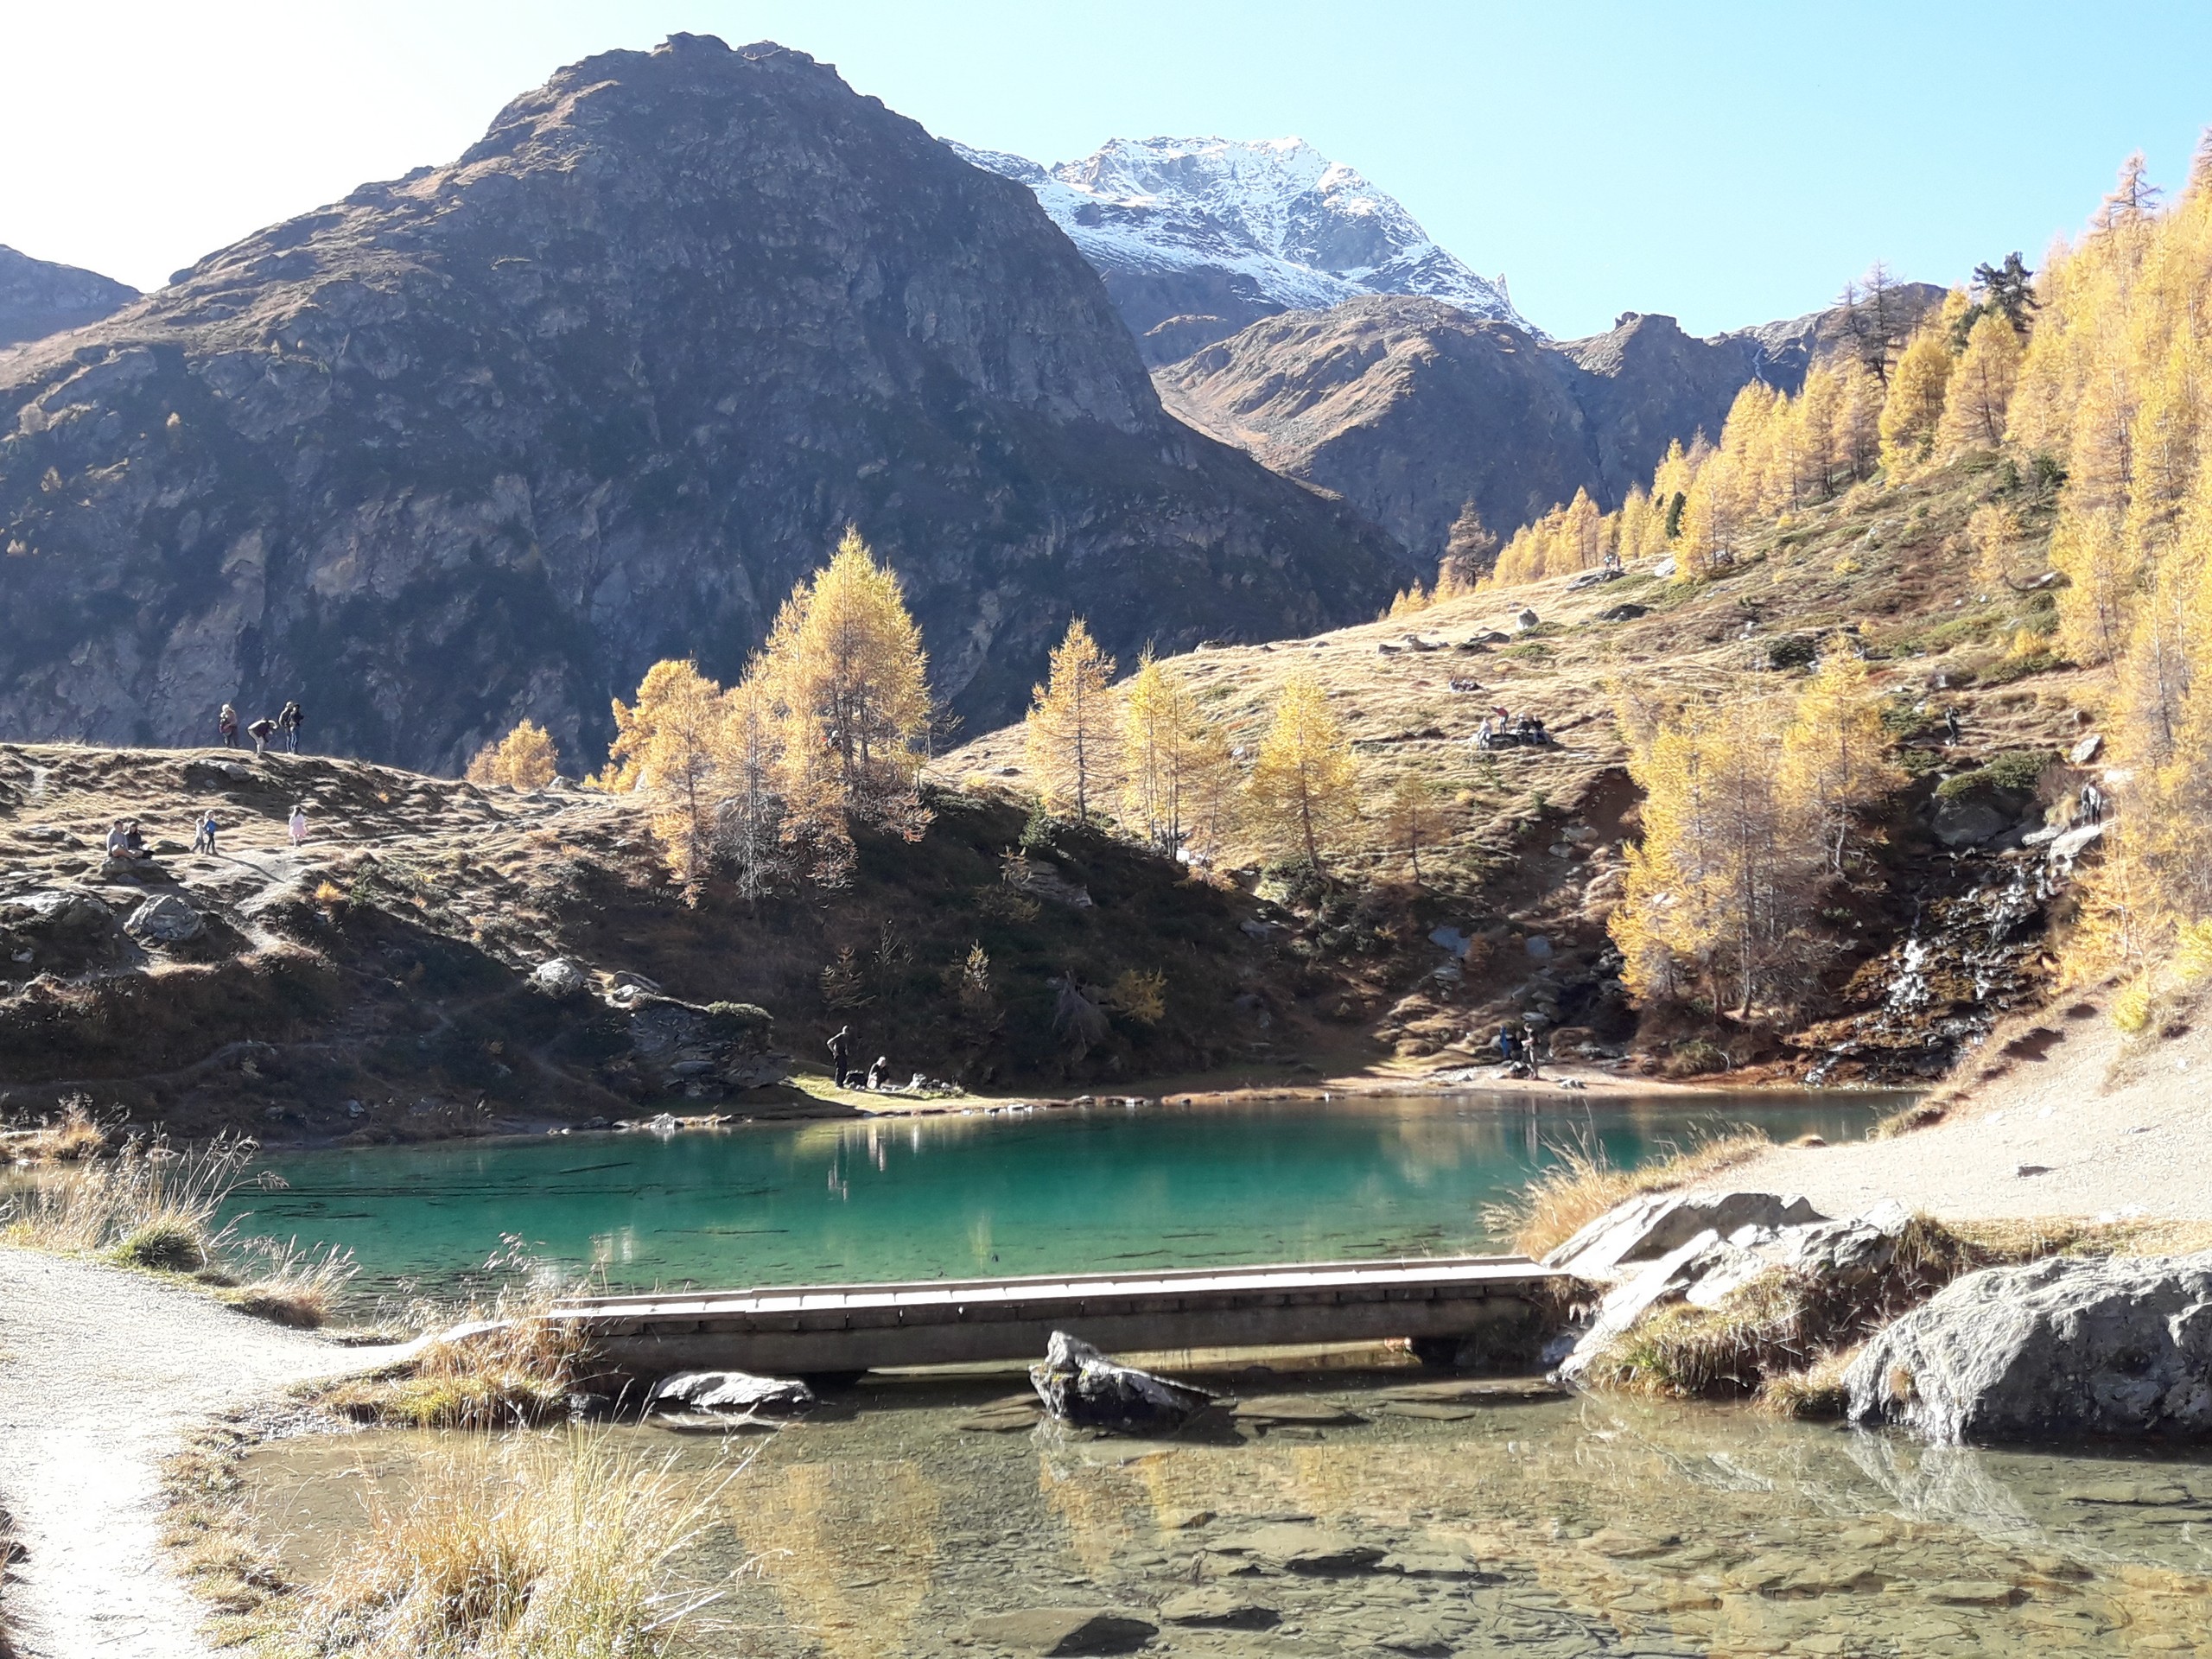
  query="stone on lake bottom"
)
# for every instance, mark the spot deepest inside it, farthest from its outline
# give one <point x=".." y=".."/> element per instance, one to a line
<point x="732" y="1391"/>
<point x="1282" y="1411"/>
<point x="1218" y="1608"/>
<point x="1055" y="1631"/>
<point x="1296" y="1549"/>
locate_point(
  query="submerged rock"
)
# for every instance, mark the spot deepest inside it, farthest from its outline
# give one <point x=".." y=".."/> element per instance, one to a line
<point x="1080" y="1385"/>
<point x="735" y="1391"/>
<point x="1293" y="1547"/>
<point x="1063" y="1630"/>
<point x="2060" y="1346"/>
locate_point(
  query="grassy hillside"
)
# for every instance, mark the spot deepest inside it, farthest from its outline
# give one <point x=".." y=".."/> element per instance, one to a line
<point x="1535" y="846"/>
<point x="378" y="982"/>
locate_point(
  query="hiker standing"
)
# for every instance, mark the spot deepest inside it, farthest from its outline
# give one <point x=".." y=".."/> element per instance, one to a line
<point x="204" y="842"/>
<point x="840" y="1047"/>
<point x="290" y="719"/>
<point x="1528" y="1050"/>
<point x="299" y="823"/>
<point x="1951" y="732"/>
<point x="227" y="723"/>
<point x="261" y="731"/>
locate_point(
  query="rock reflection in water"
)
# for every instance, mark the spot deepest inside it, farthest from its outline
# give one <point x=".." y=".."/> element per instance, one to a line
<point x="1544" y="1527"/>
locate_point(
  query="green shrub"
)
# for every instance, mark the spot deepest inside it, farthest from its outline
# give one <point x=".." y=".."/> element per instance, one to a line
<point x="166" y="1243"/>
<point x="2014" y="772"/>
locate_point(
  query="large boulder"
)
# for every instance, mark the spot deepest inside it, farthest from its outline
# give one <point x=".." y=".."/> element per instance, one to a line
<point x="1081" y="1386"/>
<point x="59" y="910"/>
<point x="703" y="1053"/>
<point x="165" y="919"/>
<point x="737" y="1391"/>
<point x="2061" y="1346"/>
<point x="1648" y="1228"/>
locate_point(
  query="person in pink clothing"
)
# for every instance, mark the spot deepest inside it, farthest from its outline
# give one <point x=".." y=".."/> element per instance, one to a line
<point x="299" y="823"/>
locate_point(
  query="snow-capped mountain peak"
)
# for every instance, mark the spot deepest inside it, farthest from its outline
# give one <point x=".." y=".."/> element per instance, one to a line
<point x="1275" y="225"/>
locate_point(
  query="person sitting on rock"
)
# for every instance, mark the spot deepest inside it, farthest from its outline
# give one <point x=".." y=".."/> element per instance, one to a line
<point x="261" y="731"/>
<point x="289" y="721"/>
<point x="134" y="844"/>
<point x="877" y="1072"/>
<point x="204" y="840"/>
<point x="116" y="844"/>
<point x="1483" y="734"/>
<point x="226" y="723"/>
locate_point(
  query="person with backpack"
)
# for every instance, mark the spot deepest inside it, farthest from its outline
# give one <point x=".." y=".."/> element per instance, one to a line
<point x="228" y="724"/>
<point x="290" y="719"/>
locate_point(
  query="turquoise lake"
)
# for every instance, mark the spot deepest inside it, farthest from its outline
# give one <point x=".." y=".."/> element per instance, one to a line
<point x="974" y="1196"/>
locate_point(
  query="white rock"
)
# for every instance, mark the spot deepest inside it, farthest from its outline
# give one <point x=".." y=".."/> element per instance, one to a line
<point x="165" y="919"/>
<point x="558" y="977"/>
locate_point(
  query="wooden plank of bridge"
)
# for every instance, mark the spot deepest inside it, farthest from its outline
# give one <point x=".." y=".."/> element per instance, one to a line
<point x="816" y="1329"/>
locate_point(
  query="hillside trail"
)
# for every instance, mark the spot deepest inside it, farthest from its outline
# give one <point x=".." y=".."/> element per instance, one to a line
<point x="103" y="1374"/>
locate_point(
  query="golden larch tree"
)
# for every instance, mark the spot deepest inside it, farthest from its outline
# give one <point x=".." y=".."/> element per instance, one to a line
<point x="1834" y="752"/>
<point x="1304" y="790"/>
<point x="847" y="675"/>
<point x="1979" y="395"/>
<point x="680" y="761"/>
<point x="1914" y="412"/>
<point x="1072" y="736"/>
<point x="524" y="758"/>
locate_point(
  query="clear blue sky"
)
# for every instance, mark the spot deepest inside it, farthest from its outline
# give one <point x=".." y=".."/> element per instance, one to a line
<point x="1728" y="163"/>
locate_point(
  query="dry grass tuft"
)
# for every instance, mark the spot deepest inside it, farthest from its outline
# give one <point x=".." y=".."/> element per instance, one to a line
<point x="150" y="1205"/>
<point x="1813" y="1391"/>
<point x="515" y="1371"/>
<point x="1584" y="1184"/>
<point x="291" y="1286"/>
<point x="523" y="1549"/>
<point x="77" y="1136"/>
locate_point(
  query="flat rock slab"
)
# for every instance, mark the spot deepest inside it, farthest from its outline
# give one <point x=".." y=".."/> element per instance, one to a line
<point x="1478" y="1389"/>
<point x="1051" y="1631"/>
<point x="1303" y="1549"/>
<point x="1001" y="1417"/>
<point x="1289" y="1411"/>
<point x="1217" y="1608"/>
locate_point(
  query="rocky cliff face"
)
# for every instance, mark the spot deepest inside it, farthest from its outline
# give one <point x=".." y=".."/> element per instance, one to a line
<point x="1198" y="237"/>
<point x="1409" y="408"/>
<point x="487" y="440"/>
<point x="38" y="297"/>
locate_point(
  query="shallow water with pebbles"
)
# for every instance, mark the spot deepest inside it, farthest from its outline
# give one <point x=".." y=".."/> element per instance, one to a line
<point x="1380" y="1511"/>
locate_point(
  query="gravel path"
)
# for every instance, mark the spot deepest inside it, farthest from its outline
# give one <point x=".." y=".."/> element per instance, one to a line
<point x="102" y="1374"/>
<point x="2087" y="1130"/>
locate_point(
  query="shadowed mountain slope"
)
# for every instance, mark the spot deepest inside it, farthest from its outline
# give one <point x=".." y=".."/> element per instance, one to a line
<point x="485" y="442"/>
<point x="1409" y="408"/>
<point x="38" y="297"/>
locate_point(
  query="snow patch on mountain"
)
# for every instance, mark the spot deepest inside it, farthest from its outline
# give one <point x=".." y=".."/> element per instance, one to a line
<point x="1304" y="232"/>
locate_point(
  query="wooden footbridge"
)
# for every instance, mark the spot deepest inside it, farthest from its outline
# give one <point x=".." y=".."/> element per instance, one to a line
<point x="824" y="1329"/>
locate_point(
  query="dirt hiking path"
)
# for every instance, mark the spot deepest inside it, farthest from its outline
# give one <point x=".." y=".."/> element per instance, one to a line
<point x="102" y="1374"/>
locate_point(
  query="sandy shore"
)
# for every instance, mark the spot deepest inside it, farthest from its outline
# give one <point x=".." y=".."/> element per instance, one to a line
<point x="103" y="1374"/>
<point x="2082" y="1124"/>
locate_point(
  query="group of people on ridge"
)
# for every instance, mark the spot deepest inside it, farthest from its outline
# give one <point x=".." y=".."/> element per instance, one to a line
<point x="1500" y="729"/>
<point x="286" y="726"/>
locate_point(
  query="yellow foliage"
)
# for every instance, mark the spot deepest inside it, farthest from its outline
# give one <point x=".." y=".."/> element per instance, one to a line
<point x="1914" y="412"/>
<point x="524" y="758"/>
<point x="1072" y="735"/>
<point x="1175" y="767"/>
<point x="1304" y="790"/>
<point x="1979" y="394"/>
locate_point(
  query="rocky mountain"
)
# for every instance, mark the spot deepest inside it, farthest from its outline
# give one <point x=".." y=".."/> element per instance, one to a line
<point x="1409" y="408"/>
<point x="1198" y="237"/>
<point x="38" y="297"/>
<point x="484" y="442"/>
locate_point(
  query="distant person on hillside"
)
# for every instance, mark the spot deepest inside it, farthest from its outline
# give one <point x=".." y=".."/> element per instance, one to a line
<point x="134" y="844"/>
<point x="204" y="840"/>
<point x="840" y="1048"/>
<point x="116" y="847"/>
<point x="1528" y="1051"/>
<point x="290" y="719"/>
<point x="2092" y="807"/>
<point x="228" y="724"/>
<point x="261" y="731"/>
<point x="299" y="823"/>
<point x="1951" y="732"/>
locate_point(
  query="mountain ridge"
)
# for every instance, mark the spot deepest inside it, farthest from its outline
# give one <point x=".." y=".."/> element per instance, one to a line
<point x="39" y="297"/>
<point x="483" y="442"/>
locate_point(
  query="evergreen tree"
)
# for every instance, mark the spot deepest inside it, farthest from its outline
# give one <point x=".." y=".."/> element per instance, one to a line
<point x="2006" y="291"/>
<point x="1073" y="731"/>
<point x="1304" y="789"/>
